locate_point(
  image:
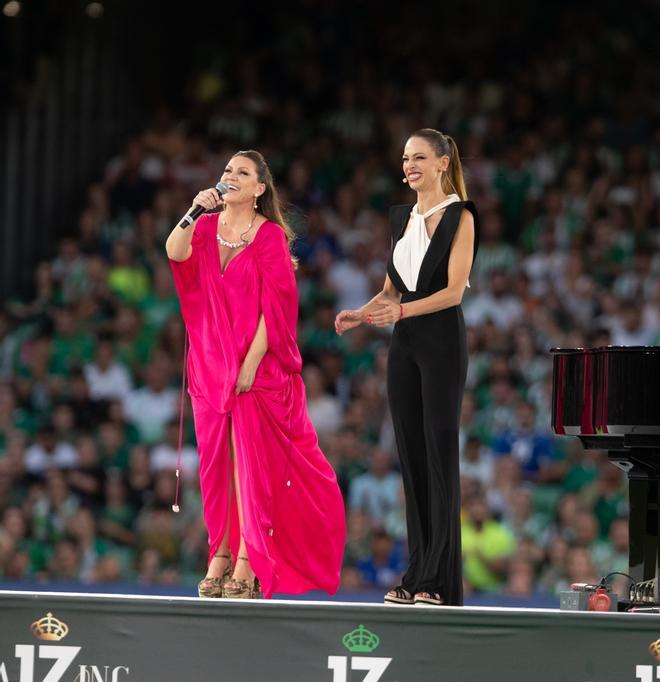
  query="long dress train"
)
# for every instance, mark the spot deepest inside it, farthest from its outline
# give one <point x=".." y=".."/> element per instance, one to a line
<point x="292" y="509"/>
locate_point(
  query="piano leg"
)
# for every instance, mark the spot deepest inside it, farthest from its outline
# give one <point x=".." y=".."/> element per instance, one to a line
<point x="643" y="529"/>
<point x="656" y="586"/>
<point x="644" y="518"/>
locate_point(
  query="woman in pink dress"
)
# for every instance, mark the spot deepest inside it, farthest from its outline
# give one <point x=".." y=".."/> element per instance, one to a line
<point x="270" y="497"/>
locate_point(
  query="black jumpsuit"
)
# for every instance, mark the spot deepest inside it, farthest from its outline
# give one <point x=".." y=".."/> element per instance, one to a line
<point x="427" y="367"/>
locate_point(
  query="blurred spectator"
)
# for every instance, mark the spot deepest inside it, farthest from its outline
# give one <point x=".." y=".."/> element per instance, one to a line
<point x="164" y="455"/>
<point x="161" y="302"/>
<point x="113" y="448"/>
<point x="535" y="450"/>
<point x="128" y="280"/>
<point x="52" y="508"/>
<point x="359" y="355"/>
<point x="569" y="198"/>
<point x="64" y="565"/>
<point x="613" y="554"/>
<point x="81" y="528"/>
<point x="358" y="536"/>
<point x="164" y="137"/>
<point x="128" y="177"/>
<point x="494" y="254"/>
<point x="497" y="304"/>
<point x="72" y="345"/>
<point x="152" y="406"/>
<point x="157" y="527"/>
<point x="86" y="478"/>
<point x="477" y="462"/>
<point x="608" y="496"/>
<point x="376" y="492"/>
<point x="521" y="518"/>
<point x="134" y="341"/>
<point x="324" y="409"/>
<point x="553" y="571"/>
<point x="194" y="166"/>
<point x="106" y="570"/>
<point x="578" y="568"/>
<point x="487" y="547"/>
<point x="384" y="566"/>
<point x="319" y="334"/>
<point x="349" y="278"/>
<point x="581" y="466"/>
<point x="116" y="516"/>
<point x="629" y="329"/>
<point x="105" y="377"/>
<point x="49" y="453"/>
<point x="520" y="582"/>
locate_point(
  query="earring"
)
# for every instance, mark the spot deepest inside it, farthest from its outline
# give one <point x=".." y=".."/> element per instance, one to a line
<point x="255" y="200"/>
<point x="405" y="181"/>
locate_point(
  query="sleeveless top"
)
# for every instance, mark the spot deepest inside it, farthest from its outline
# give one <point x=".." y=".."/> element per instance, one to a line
<point x="432" y="274"/>
<point x="411" y="248"/>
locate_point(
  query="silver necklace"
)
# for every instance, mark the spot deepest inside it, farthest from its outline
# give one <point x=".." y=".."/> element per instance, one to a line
<point x="235" y="245"/>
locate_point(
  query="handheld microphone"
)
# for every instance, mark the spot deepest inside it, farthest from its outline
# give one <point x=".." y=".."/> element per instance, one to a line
<point x="197" y="210"/>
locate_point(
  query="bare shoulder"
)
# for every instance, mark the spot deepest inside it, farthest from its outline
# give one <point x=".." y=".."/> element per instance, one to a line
<point x="466" y="227"/>
<point x="465" y="232"/>
<point x="467" y="217"/>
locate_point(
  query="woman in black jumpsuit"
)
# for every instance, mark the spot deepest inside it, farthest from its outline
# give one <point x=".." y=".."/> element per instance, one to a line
<point x="428" y="364"/>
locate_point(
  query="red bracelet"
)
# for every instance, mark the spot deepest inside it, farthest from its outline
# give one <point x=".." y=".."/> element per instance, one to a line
<point x="401" y="314"/>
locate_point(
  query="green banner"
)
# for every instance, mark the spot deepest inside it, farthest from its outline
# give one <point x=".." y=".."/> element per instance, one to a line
<point x="48" y="637"/>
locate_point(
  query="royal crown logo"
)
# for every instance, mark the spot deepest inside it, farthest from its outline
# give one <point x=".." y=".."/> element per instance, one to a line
<point x="360" y="640"/>
<point x="49" y="628"/>
<point x="654" y="649"/>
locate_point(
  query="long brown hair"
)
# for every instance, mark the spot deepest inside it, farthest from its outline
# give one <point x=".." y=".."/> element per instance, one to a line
<point x="269" y="202"/>
<point x="443" y="145"/>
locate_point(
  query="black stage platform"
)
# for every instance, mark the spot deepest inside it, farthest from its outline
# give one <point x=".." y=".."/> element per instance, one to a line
<point x="110" y="638"/>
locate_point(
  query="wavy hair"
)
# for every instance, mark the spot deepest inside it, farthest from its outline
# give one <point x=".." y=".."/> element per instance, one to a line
<point x="269" y="202"/>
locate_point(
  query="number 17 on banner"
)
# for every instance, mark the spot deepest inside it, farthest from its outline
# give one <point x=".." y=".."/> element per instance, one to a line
<point x="645" y="673"/>
<point x="374" y="665"/>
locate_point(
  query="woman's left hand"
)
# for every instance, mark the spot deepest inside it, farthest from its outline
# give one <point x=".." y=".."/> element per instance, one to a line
<point x="246" y="376"/>
<point x="386" y="314"/>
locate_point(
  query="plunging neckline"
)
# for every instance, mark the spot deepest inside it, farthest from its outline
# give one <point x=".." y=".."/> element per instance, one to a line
<point x="444" y="212"/>
<point x="223" y="269"/>
<point x="432" y="237"/>
<point x="429" y="250"/>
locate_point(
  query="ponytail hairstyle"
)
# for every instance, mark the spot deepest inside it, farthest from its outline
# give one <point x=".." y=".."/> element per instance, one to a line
<point x="269" y="202"/>
<point x="443" y="145"/>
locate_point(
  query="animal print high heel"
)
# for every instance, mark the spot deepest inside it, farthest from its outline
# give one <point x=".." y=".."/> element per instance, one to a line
<point x="213" y="588"/>
<point x="243" y="589"/>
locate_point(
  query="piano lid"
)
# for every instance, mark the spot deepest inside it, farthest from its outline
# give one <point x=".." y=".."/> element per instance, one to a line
<point x="609" y="349"/>
<point x="606" y="391"/>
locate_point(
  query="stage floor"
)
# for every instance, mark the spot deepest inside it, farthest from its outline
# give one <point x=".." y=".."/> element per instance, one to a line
<point x="92" y="637"/>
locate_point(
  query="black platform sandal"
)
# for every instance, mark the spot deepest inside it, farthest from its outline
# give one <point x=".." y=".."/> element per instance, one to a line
<point x="398" y="596"/>
<point x="429" y="598"/>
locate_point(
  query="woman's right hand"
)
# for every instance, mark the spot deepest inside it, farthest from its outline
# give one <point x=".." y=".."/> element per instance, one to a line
<point x="210" y="199"/>
<point x="347" y="320"/>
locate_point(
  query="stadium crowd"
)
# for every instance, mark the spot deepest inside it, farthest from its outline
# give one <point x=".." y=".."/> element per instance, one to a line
<point x="563" y="163"/>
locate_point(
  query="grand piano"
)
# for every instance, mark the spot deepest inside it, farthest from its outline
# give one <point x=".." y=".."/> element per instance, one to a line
<point x="610" y="399"/>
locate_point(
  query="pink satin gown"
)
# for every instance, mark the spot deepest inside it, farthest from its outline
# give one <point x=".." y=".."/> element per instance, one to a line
<point x="293" y="512"/>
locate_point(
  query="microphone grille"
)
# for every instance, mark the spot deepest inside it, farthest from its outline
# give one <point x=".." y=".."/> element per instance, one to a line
<point x="222" y="187"/>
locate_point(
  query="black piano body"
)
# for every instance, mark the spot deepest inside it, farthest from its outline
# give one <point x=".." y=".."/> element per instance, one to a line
<point x="609" y="398"/>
